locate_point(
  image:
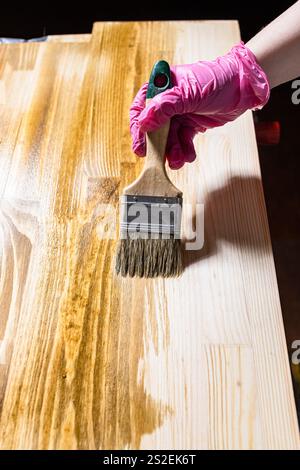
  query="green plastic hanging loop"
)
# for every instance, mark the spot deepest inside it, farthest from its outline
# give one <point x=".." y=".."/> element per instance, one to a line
<point x="160" y="79"/>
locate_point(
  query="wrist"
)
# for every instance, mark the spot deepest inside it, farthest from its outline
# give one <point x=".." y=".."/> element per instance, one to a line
<point x="254" y="83"/>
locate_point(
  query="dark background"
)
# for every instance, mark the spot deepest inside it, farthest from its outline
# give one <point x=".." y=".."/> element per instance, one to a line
<point x="27" y="19"/>
<point x="280" y="164"/>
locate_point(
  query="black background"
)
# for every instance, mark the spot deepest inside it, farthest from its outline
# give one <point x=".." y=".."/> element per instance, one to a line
<point x="280" y="164"/>
<point x="27" y="19"/>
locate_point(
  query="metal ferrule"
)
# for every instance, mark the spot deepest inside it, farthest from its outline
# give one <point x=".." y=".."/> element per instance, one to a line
<point x="150" y="215"/>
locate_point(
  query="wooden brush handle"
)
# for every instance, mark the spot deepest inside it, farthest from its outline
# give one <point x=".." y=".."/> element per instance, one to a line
<point x="156" y="142"/>
<point x="159" y="81"/>
<point x="154" y="180"/>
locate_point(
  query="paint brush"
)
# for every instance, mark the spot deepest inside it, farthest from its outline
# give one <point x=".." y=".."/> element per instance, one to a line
<point x="150" y="207"/>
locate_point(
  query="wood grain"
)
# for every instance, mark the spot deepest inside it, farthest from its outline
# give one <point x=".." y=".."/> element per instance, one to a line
<point x="92" y="361"/>
<point x="69" y="38"/>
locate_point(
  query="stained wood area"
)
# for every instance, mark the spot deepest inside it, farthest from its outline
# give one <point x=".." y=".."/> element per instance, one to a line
<point x="92" y="361"/>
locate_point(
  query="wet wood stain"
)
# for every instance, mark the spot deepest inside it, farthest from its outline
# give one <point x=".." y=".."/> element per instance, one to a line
<point x="83" y="373"/>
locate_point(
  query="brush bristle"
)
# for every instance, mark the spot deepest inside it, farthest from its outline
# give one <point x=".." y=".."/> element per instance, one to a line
<point x="149" y="257"/>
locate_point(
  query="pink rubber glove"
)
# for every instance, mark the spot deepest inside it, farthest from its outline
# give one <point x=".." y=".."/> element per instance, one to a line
<point x="204" y="95"/>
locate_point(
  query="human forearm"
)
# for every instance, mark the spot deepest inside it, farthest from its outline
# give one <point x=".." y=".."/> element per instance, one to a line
<point x="277" y="47"/>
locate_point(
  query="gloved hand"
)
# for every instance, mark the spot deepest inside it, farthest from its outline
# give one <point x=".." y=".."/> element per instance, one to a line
<point x="204" y="95"/>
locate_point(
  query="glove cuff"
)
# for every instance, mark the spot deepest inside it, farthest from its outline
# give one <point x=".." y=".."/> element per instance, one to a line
<point x="254" y="84"/>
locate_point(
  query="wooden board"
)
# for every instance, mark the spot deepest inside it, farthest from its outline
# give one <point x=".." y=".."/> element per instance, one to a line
<point x="68" y="38"/>
<point x="89" y="360"/>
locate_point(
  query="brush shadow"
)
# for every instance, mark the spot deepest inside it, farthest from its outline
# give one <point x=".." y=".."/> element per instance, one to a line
<point x="232" y="213"/>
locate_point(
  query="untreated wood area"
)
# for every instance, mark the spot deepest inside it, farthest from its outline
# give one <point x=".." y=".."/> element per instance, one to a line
<point x="93" y="361"/>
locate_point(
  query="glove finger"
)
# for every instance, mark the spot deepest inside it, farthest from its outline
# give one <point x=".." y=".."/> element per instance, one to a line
<point x="160" y="109"/>
<point x="138" y="103"/>
<point x="186" y="137"/>
<point x="138" y="137"/>
<point x="180" y="147"/>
